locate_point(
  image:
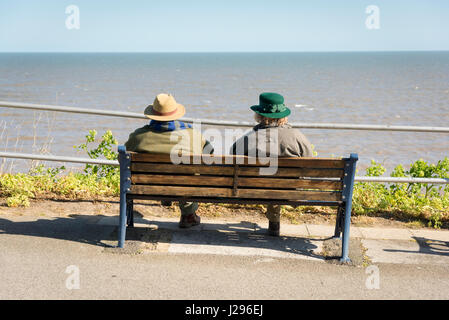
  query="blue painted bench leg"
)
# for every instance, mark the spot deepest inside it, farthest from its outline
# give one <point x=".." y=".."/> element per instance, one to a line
<point x="345" y="241"/>
<point x="122" y="223"/>
<point x="125" y="184"/>
<point x="348" y="185"/>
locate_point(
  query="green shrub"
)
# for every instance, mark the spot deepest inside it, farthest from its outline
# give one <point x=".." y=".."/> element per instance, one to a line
<point x="424" y="201"/>
<point x="104" y="149"/>
<point x="96" y="180"/>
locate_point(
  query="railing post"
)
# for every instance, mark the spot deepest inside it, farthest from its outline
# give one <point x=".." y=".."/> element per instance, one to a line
<point x="125" y="184"/>
<point x="348" y="186"/>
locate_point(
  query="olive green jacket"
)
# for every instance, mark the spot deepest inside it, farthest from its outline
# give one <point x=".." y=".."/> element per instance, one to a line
<point x="187" y="141"/>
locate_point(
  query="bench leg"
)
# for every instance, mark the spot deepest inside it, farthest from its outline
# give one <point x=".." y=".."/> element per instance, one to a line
<point x="348" y="185"/>
<point x="125" y="185"/>
<point x="130" y="212"/>
<point x="339" y="221"/>
<point x="345" y="240"/>
<point x="122" y="223"/>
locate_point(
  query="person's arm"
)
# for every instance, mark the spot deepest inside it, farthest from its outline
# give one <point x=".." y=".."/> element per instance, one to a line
<point x="240" y="147"/>
<point x="304" y="144"/>
<point x="306" y="148"/>
<point x="207" y="147"/>
<point x="130" y="144"/>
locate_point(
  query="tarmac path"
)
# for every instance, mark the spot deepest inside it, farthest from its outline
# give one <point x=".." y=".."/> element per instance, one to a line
<point x="74" y="258"/>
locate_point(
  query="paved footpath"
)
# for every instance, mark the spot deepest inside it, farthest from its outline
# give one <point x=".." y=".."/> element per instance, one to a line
<point x="75" y="258"/>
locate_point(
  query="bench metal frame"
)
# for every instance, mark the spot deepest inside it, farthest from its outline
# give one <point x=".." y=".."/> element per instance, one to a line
<point x="343" y="220"/>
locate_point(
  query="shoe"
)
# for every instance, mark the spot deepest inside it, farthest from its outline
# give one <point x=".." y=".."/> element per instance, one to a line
<point x="274" y="228"/>
<point x="189" y="221"/>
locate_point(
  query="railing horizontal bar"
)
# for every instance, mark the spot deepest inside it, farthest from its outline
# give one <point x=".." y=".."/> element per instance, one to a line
<point x="123" y="114"/>
<point x="369" y="127"/>
<point x="402" y="180"/>
<point x="56" y="158"/>
<point x="99" y="112"/>
<point x="116" y="163"/>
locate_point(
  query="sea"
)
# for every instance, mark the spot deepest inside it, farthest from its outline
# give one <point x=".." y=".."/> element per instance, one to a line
<point x="385" y="88"/>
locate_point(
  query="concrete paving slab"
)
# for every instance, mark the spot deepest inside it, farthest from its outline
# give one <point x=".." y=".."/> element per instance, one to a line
<point x="235" y="226"/>
<point x="431" y="234"/>
<point x="263" y="225"/>
<point x="299" y="230"/>
<point x="109" y="221"/>
<point x="386" y="233"/>
<point x="245" y="244"/>
<point x="405" y="252"/>
<point x="355" y="232"/>
<point x="320" y="230"/>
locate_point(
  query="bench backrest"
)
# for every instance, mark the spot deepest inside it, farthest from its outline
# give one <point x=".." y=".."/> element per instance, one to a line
<point x="237" y="178"/>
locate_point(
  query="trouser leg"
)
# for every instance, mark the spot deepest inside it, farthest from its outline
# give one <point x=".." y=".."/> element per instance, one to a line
<point x="166" y="203"/>
<point x="273" y="213"/>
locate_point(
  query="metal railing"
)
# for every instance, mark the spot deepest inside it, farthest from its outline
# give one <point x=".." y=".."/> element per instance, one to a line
<point x="116" y="163"/>
<point x="30" y="156"/>
<point x="123" y="114"/>
<point x="218" y="123"/>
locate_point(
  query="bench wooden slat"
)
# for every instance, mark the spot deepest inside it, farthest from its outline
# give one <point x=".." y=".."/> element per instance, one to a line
<point x="289" y="194"/>
<point x="241" y="193"/>
<point x="181" y="191"/>
<point x="229" y="170"/>
<point x="289" y="183"/>
<point x="237" y="200"/>
<point x="326" y="163"/>
<point x="183" y="169"/>
<point x="264" y="183"/>
<point x="181" y="180"/>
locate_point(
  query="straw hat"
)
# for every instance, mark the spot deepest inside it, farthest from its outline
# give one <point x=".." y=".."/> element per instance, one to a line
<point x="165" y="108"/>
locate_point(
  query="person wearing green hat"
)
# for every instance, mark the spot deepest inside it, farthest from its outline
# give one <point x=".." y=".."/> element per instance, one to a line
<point x="271" y="115"/>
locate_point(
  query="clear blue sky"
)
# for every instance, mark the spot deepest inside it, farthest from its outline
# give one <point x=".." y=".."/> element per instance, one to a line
<point x="214" y="25"/>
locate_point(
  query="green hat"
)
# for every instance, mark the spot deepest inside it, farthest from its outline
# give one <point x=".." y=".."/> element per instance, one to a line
<point x="271" y="105"/>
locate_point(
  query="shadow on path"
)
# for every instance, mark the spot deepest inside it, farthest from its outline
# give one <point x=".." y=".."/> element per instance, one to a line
<point x="78" y="228"/>
<point x="428" y="246"/>
<point x="243" y="234"/>
<point x="85" y="229"/>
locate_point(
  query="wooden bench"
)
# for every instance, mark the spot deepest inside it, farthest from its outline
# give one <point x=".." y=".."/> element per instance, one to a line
<point x="238" y="179"/>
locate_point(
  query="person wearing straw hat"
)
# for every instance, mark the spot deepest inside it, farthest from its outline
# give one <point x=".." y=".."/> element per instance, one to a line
<point x="157" y="137"/>
<point x="271" y="115"/>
